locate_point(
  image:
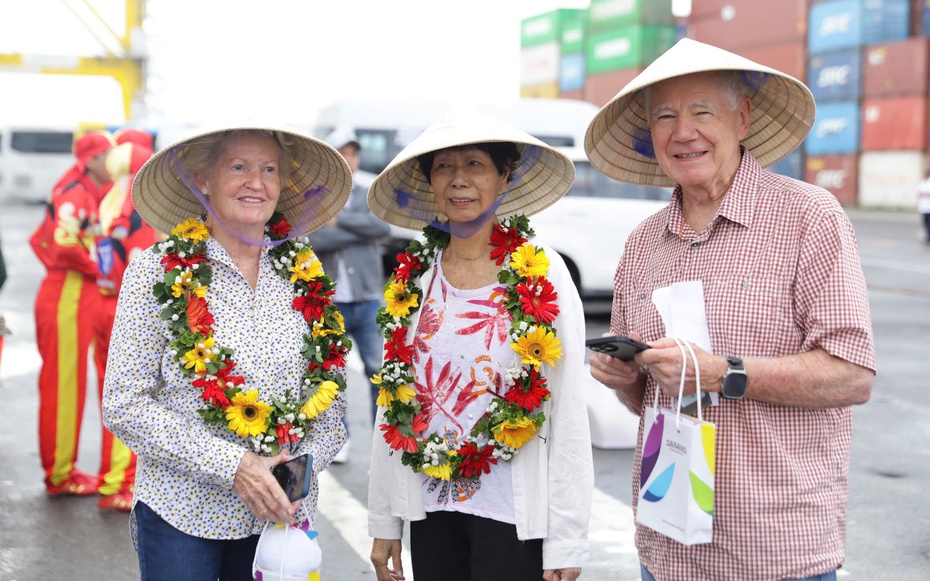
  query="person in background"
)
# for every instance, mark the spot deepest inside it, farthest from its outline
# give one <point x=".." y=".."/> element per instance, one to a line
<point x="64" y="309"/>
<point x="122" y="235"/>
<point x="349" y="246"/>
<point x="227" y="356"/>
<point x="783" y="296"/>
<point x="923" y="206"/>
<point x="135" y="135"/>
<point x="482" y="442"/>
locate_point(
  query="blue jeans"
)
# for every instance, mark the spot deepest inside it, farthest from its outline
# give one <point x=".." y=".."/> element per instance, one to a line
<point x="361" y="320"/>
<point x="831" y="576"/>
<point x="167" y="554"/>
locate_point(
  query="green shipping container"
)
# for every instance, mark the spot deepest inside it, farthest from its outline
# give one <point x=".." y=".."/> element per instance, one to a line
<point x="628" y="46"/>
<point x="572" y="39"/>
<point x="549" y="26"/>
<point x="608" y="15"/>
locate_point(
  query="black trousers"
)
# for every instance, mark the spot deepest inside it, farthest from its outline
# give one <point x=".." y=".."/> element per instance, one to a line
<point x="454" y="546"/>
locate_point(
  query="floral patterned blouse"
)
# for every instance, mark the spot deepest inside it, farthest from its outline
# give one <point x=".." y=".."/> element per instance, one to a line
<point x="186" y="468"/>
<point x="462" y="354"/>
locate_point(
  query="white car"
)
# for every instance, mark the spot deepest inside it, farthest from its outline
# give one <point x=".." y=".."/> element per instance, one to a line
<point x="588" y="227"/>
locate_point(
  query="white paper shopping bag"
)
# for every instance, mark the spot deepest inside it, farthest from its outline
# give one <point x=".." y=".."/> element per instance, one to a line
<point x="676" y="486"/>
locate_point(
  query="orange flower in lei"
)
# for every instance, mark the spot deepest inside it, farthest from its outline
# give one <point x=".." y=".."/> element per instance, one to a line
<point x="511" y="419"/>
<point x="228" y="401"/>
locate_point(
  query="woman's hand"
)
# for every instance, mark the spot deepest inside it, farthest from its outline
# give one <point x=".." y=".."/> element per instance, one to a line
<point x="569" y="574"/>
<point x="259" y="490"/>
<point x="384" y="551"/>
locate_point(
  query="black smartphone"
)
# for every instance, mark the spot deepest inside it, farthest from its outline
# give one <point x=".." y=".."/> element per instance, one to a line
<point x="294" y="476"/>
<point x="619" y="346"/>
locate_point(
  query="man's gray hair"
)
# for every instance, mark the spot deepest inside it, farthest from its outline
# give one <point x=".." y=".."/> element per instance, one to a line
<point x="731" y="83"/>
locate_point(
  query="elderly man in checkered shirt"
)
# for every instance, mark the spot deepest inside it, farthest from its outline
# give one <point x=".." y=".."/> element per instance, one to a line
<point x="785" y="304"/>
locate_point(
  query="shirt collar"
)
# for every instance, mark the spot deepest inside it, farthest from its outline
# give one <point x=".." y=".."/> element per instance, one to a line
<point x="738" y="203"/>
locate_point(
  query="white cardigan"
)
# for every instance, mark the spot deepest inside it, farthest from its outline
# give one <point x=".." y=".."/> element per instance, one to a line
<point x="553" y="474"/>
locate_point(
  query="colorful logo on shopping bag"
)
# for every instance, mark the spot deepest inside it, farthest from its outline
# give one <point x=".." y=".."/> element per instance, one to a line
<point x="651" y="448"/>
<point x="702" y="491"/>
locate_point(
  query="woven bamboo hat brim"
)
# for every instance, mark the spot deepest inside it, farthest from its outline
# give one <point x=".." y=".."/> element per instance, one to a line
<point x="618" y="141"/>
<point x="401" y="196"/>
<point x="315" y="190"/>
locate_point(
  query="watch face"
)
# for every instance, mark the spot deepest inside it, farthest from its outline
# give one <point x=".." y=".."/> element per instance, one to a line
<point x="735" y="385"/>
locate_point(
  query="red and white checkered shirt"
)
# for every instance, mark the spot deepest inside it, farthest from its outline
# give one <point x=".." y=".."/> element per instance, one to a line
<point x="781" y="275"/>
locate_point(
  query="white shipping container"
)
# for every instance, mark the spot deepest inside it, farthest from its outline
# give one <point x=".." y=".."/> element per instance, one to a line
<point x="540" y="64"/>
<point x="888" y="179"/>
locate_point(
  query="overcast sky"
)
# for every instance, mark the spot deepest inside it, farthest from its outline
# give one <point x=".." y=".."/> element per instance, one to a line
<point x="281" y="58"/>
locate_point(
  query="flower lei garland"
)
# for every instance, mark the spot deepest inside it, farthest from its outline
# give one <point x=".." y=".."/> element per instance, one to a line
<point x="227" y="399"/>
<point x="511" y="418"/>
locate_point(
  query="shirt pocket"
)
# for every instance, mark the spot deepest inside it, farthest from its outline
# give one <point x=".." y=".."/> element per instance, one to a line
<point x="750" y="315"/>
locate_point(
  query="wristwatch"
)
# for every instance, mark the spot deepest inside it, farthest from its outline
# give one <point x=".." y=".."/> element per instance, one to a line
<point x="734" y="380"/>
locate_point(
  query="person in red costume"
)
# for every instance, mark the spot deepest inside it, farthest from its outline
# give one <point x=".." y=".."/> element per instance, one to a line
<point x="135" y="135"/>
<point x="64" y="309"/>
<point x="123" y="234"/>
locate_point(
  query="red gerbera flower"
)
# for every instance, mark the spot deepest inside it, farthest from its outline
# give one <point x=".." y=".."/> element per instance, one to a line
<point x="475" y="462"/>
<point x="538" y="298"/>
<point x="281" y="228"/>
<point x="407" y="264"/>
<point x="199" y="317"/>
<point x="528" y="393"/>
<point x="172" y="261"/>
<point x="214" y="388"/>
<point x="312" y="303"/>
<point x="284" y="435"/>
<point x="396" y="440"/>
<point x="395" y="347"/>
<point x="504" y="242"/>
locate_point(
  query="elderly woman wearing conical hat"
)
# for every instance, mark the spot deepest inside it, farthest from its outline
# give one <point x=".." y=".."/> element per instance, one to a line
<point x="760" y="274"/>
<point x="482" y="439"/>
<point x="227" y="355"/>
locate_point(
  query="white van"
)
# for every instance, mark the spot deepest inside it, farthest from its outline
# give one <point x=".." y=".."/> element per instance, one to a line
<point x="32" y="159"/>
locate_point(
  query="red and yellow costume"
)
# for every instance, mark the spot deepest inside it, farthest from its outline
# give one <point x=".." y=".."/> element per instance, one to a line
<point x="123" y="234"/>
<point x="64" y="309"/>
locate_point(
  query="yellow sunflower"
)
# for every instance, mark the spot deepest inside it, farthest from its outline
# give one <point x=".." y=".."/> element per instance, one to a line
<point x="397" y="301"/>
<point x="247" y="416"/>
<point x="199" y="356"/>
<point x="515" y="433"/>
<point x="185" y="282"/>
<point x="191" y="229"/>
<point x="540" y="346"/>
<point x="529" y="262"/>
<point x="321" y="330"/>
<point x="405" y="393"/>
<point x="442" y="472"/>
<point x="321" y="400"/>
<point x="307" y="266"/>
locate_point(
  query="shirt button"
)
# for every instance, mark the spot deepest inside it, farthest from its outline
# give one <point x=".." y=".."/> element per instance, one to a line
<point x="351" y="270"/>
<point x="642" y="297"/>
<point x="746" y="284"/>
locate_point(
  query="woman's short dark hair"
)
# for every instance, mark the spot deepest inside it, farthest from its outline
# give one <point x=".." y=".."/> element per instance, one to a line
<point x="504" y="154"/>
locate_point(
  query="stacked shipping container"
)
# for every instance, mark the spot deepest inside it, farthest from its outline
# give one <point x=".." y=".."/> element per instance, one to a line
<point x="852" y="127"/>
<point x="542" y="39"/>
<point x="867" y="62"/>
<point x="590" y="54"/>
<point x="623" y="36"/>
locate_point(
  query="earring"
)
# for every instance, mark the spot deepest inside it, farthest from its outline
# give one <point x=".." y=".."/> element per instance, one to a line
<point x="203" y="191"/>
